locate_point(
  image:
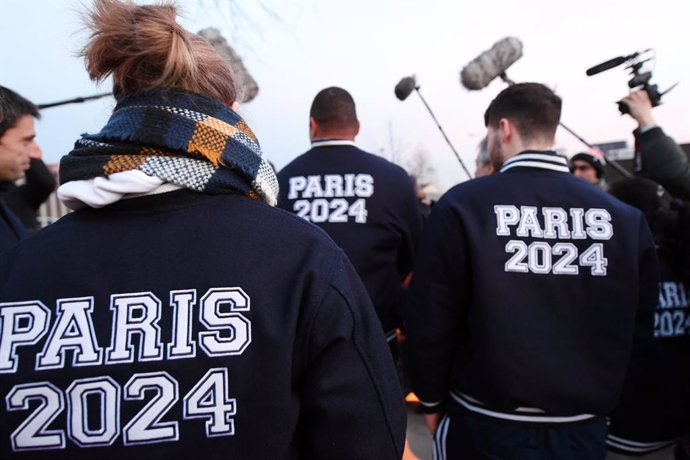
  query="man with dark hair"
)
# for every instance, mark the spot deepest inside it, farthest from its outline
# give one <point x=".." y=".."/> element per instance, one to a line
<point x="17" y="148"/>
<point x="529" y="291"/>
<point x="334" y="109"/>
<point x="365" y="203"/>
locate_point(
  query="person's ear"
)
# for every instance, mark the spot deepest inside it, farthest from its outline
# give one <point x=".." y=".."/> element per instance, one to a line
<point x="235" y="106"/>
<point x="313" y="128"/>
<point x="506" y="130"/>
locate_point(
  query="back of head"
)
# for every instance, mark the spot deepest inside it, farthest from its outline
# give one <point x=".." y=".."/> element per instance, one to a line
<point x="143" y="47"/>
<point x="643" y="194"/>
<point x="334" y="108"/>
<point x="655" y="203"/>
<point x="669" y="219"/>
<point x="532" y="107"/>
<point x="12" y="107"/>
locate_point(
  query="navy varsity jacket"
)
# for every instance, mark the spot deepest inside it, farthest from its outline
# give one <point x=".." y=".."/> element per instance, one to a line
<point x="530" y="289"/>
<point x="185" y="325"/>
<point x="11" y="229"/>
<point x="368" y="205"/>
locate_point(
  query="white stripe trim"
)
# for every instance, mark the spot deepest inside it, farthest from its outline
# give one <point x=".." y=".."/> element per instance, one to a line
<point x="538" y="156"/>
<point x="536" y="164"/>
<point x="331" y="142"/>
<point x="429" y="404"/>
<point x="444" y="438"/>
<point x="529" y="410"/>
<point x="638" y="450"/>
<point x="537" y="160"/>
<point x="518" y="418"/>
<point x="439" y="439"/>
<point x="391" y="335"/>
<point x="640" y="444"/>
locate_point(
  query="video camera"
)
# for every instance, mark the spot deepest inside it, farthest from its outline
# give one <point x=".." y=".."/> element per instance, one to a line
<point x="640" y="79"/>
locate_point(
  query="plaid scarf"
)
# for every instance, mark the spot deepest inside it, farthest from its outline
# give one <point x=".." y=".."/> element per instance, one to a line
<point x="182" y="138"/>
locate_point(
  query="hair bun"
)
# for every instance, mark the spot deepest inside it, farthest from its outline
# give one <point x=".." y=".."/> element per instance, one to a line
<point x="143" y="47"/>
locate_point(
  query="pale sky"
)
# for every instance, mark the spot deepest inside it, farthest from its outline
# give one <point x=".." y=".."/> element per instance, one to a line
<point x="366" y="47"/>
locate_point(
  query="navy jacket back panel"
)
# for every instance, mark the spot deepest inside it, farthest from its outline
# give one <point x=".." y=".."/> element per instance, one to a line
<point x="518" y="318"/>
<point x="11" y="229"/>
<point x="248" y="324"/>
<point x="368" y="206"/>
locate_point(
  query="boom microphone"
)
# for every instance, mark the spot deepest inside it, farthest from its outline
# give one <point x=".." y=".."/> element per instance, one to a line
<point x="248" y="88"/>
<point x="494" y="63"/>
<point x="611" y="63"/>
<point x="405" y="87"/>
<point x="491" y="63"/>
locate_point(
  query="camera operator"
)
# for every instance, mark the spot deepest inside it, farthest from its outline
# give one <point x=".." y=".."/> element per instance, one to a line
<point x="658" y="156"/>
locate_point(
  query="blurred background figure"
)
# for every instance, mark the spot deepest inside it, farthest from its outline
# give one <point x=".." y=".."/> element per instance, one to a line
<point x="427" y="195"/>
<point x="423" y="202"/>
<point x="589" y="166"/>
<point x="483" y="164"/>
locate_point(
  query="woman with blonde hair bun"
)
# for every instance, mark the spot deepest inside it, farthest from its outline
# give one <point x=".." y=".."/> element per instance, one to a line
<point x="177" y="313"/>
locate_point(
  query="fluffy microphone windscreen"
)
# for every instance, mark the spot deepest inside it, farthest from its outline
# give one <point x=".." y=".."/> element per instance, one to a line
<point x="405" y="87"/>
<point x="246" y="85"/>
<point x="491" y="63"/>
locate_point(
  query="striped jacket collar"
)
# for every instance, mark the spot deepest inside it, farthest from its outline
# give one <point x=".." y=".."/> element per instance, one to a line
<point x="331" y="142"/>
<point x="537" y="159"/>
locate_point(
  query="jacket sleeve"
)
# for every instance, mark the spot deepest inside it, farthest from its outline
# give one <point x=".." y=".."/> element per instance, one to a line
<point x="664" y="161"/>
<point x="437" y="306"/>
<point x="352" y="403"/>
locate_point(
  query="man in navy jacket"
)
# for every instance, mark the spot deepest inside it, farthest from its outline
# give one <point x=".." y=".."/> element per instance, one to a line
<point x="530" y="292"/>
<point x="366" y="204"/>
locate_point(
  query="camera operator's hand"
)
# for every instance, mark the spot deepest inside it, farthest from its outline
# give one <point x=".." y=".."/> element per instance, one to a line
<point x="640" y="108"/>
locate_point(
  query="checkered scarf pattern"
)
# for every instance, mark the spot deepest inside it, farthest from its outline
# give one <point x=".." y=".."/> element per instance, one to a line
<point x="183" y="138"/>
